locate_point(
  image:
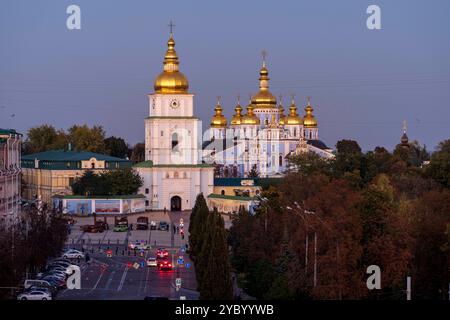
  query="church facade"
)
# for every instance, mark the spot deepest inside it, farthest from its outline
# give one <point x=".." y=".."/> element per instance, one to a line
<point x="260" y="142"/>
<point x="173" y="171"/>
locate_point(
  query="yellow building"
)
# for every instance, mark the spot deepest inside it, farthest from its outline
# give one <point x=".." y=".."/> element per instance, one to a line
<point x="51" y="173"/>
<point x="232" y="193"/>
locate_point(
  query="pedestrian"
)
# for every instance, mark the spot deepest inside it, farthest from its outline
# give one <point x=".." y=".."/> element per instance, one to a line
<point x="131" y="226"/>
<point x="178" y="229"/>
<point x="87" y="257"/>
<point x="174" y="229"/>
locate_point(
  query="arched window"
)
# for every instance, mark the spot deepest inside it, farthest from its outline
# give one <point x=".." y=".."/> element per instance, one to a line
<point x="295" y="132"/>
<point x="175" y="175"/>
<point x="174" y="141"/>
<point x="222" y="192"/>
<point x="280" y="161"/>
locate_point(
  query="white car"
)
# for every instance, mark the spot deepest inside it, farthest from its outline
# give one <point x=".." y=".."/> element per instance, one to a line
<point x="151" y="262"/>
<point x="73" y="254"/>
<point x="35" y="295"/>
<point x="139" y="246"/>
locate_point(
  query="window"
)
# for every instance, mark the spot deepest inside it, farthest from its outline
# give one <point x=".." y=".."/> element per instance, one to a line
<point x="175" y="141"/>
<point x="280" y="161"/>
<point x="162" y="133"/>
<point x="222" y="192"/>
<point x="147" y="203"/>
<point x="146" y="191"/>
<point x="175" y="175"/>
<point x="295" y="132"/>
<point x="93" y="165"/>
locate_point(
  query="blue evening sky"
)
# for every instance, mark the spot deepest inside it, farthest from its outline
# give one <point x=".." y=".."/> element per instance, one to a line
<point x="363" y="83"/>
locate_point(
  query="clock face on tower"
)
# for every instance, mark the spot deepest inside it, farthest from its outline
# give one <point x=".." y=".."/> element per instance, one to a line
<point x="174" y="103"/>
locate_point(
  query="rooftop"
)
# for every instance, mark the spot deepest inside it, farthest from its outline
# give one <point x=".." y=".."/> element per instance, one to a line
<point x="62" y="155"/>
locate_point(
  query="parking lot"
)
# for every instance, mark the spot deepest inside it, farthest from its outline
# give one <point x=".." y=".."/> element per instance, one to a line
<point x="124" y="274"/>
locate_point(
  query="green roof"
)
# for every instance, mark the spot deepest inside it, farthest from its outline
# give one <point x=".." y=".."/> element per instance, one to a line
<point x="149" y="164"/>
<point x="221" y="196"/>
<point x="62" y="155"/>
<point x="130" y="196"/>
<point x="9" y="131"/>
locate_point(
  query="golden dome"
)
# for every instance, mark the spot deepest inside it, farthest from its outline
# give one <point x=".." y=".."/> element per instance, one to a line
<point x="264" y="99"/>
<point x="293" y="118"/>
<point x="218" y="120"/>
<point x="237" y="118"/>
<point x="309" y="119"/>
<point x="250" y="118"/>
<point x="171" y="80"/>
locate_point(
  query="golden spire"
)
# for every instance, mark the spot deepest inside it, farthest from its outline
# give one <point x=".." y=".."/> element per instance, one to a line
<point x="404" y="140"/>
<point x="250" y="117"/>
<point x="264" y="98"/>
<point x="218" y="120"/>
<point x="171" y="80"/>
<point x="281" y="111"/>
<point x="237" y="118"/>
<point x="293" y="118"/>
<point x="309" y="119"/>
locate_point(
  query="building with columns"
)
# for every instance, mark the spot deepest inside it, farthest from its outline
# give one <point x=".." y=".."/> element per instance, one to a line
<point x="173" y="170"/>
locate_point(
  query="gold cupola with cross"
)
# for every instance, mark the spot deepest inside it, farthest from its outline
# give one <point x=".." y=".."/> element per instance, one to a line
<point x="309" y="121"/>
<point x="293" y="118"/>
<point x="250" y="118"/>
<point x="171" y="80"/>
<point x="218" y="120"/>
<point x="237" y="117"/>
<point x="264" y="99"/>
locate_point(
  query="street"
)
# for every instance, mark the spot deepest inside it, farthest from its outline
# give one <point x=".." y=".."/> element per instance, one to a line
<point x="125" y="275"/>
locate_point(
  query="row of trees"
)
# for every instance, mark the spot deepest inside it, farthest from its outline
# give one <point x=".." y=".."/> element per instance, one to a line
<point x="81" y="138"/>
<point x="27" y="246"/>
<point x="209" y="252"/>
<point x="114" y="182"/>
<point x="316" y="233"/>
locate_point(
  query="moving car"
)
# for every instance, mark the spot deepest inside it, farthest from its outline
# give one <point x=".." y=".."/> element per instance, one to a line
<point x="139" y="246"/>
<point x="165" y="266"/>
<point x="35" y="295"/>
<point x="164" y="226"/>
<point x="73" y="254"/>
<point x="151" y="262"/>
<point x="120" y="228"/>
<point x="162" y="253"/>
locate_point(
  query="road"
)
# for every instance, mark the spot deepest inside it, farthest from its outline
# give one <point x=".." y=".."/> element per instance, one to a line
<point x="110" y="278"/>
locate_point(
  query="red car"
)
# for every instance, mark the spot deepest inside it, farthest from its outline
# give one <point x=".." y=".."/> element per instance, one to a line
<point x="165" y="266"/>
<point x="162" y="253"/>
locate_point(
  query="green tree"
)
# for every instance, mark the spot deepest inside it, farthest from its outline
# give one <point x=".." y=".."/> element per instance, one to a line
<point x="116" y="147"/>
<point x="307" y="163"/>
<point x="215" y="281"/>
<point x="44" y="138"/>
<point x="138" y="153"/>
<point x="84" y="138"/>
<point x="439" y="166"/>
<point x="197" y="227"/>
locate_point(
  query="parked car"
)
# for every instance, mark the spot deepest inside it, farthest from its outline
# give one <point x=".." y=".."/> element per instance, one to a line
<point x="54" y="281"/>
<point x="153" y="225"/>
<point x="36" y="282"/>
<point x="120" y="228"/>
<point x="51" y="290"/>
<point x="151" y="262"/>
<point x="142" y="223"/>
<point x="35" y="295"/>
<point x="164" y="226"/>
<point x="73" y="254"/>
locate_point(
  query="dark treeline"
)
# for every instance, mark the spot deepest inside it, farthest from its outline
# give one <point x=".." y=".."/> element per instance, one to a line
<point x="81" y="138"/>
<point x="27" y="246"/>
<point x="316" y="233"/>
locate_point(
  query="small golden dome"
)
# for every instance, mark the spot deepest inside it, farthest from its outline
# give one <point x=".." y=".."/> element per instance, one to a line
<point x="171" y="80"/>
<point x="264" y="98"/>
<point x="237" y="118"/>
<point x="218" y="120"/>
<point x="309" y="119"/>
<point x="250" y="118"/>
<point x="293" y="118"/>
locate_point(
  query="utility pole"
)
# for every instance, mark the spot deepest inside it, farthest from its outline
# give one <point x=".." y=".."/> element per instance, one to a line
<point x="306" y="255"/>
<point x="408" y="288"/>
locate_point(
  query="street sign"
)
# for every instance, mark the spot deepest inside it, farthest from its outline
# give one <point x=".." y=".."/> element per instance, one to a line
<point x="129" y="265"/>
<point x="181" y="221"/>
<point x="178" y="281"/>
<point x="187" y="265"/>
<point x="109" y="253"/>
<point x="182" y="297"/>
<point x="136" y="265"/>
<point x="180" y="261"/>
